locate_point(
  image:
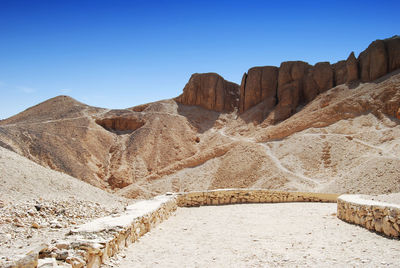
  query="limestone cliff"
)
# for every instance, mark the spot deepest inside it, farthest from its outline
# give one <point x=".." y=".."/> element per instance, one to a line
<point x="210" y="91"/>
<point x="297" y="83"/>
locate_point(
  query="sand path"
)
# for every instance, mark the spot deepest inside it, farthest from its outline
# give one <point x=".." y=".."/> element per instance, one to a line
<point x="260" y="235"/>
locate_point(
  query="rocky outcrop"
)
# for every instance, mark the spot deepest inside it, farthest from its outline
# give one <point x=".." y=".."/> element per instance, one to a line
<point x="120" y="124"/>
<point x="259" y="84"/>
<point x="345" y="71"/>
<point x="381" y="57"/>
<point x="294" y="83"/>
<point x="299" y="83"/>
<point x="393" y="53"/>
<point x="291" y="82"/>
<point x="373" y="61"/>
<point x="351" y="69"/>
<point x="210" y="91"/>
<point x="318" y="80"/>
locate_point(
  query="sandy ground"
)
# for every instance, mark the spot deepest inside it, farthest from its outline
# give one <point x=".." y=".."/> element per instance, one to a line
<point x="260" y="235"/>
<point x="389" y="198"/>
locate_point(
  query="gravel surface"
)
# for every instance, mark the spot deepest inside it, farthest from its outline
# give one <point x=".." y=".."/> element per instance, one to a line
<point x="388" y="198"/>
<point x="260" y="235"/>
<point x="39" y="205"/>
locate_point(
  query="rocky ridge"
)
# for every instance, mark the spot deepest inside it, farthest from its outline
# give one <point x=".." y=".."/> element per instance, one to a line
<point x="294" y="83"/>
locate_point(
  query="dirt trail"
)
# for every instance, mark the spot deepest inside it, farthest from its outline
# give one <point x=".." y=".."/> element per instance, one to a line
<point x="269" y="153"/>
<point x="284" y="169"/>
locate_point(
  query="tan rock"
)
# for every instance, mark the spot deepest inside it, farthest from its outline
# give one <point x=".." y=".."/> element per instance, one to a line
<point x="76" y="262"/>
<point x="47" y="263"/>
<point x="120" y="123"/>
<point x="35" y="225"/>
<point x="210" y="91"/>
<point x="259" y="84"/>
<point x="378" y="225"/>
<point x="291" y="80"/>
<point x="393" y="52"/>
<point x="319" y="78"/>
<point x="30" y="260"/>
<point x="323" y="76"/>
<point x="351" y="68"/>
<point x="340" y="72"/>
<point x="388" y="228"/>
<point x="373" y="61"/>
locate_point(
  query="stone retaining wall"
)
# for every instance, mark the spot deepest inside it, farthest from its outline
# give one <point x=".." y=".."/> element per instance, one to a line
<point x="241" y="196"/>
<point x="93" y="243"/>
<point x="376" y="216"/>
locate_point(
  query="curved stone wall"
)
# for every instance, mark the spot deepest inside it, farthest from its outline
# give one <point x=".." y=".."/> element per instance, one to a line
<point x="93" y="243"/>
<point x="241" y="196"/>
<point x="375" y="216"/>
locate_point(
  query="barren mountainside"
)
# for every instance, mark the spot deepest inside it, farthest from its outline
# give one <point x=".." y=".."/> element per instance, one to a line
<point x="327" y="127"/>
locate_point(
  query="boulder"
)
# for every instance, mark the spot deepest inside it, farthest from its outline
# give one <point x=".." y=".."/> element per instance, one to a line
<point x="373" y="61"/>
<point x="210" y="91"/>
<point x="259" y="84"/>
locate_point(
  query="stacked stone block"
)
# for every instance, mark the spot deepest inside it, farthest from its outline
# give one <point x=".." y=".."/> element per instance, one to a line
<point x="375" y="216"/>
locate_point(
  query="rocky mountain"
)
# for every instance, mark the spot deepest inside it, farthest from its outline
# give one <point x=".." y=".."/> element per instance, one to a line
<point x="327" y="127"/>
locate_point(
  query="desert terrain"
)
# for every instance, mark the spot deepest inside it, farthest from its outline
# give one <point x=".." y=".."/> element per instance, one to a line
<point x="328" y="128"/>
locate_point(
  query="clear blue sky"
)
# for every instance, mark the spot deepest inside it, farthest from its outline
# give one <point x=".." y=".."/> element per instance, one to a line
<point x="118" y="54"/>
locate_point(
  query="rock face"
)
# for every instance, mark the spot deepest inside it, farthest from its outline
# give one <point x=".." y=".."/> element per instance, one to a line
<point x="345" y="71"/>
<point x="120" y="124"/>
<point x="294" y="83"/>
<point x="259" y="84"/>
<point x="210" y="91"/>
<point x="298" y="83"/>
<point x="373" y="61"/>
<point x="351" y="69"/>
<point x="393" y="53"/>
<point x="318" y="80"/>
<point x="381" y="57"/>
<point x="291" y="83"/>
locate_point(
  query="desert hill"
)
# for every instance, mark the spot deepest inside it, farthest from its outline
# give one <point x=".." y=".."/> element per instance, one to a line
<point x="330" y="128"/>
<point x="35" y="201"/>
